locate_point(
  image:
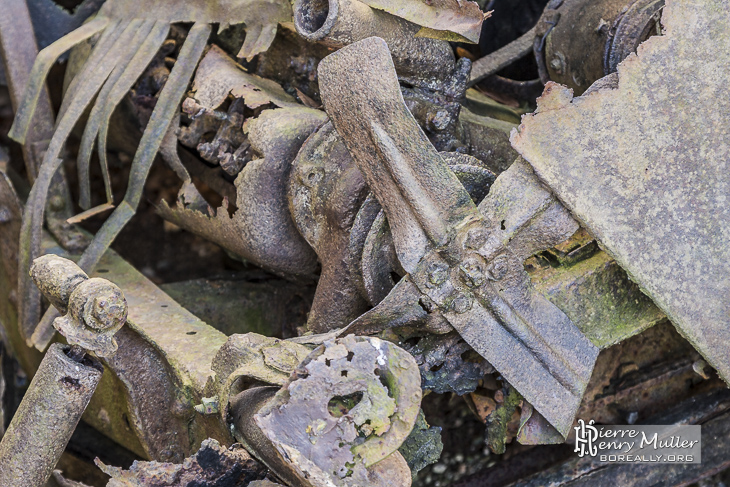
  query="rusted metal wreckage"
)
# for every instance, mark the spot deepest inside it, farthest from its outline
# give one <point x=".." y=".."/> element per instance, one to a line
<point x="450" y="260"/>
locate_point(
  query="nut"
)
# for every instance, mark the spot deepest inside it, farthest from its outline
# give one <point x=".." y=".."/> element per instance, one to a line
<point x="95" y="309"/>
<point x="438" y="274"/>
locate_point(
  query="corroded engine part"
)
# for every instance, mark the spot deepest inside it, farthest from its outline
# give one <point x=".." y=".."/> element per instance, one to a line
<point x="447" y="363"/>
<point x="674" y="247"/>
<point x="95" y="309"/>
<point x="326" y="191"/>
<point x="47" y="416"/>
<point x="344" y="412"/>
<point x="229" y="148"/>
<point x="262" y="230"/>
<point x="435" y="81"/>
<point x="352" y="239"/>
<point x="145" y="400"/>
<point x="420" y="61"/>
<point x="378" y="268"/>
<point x="464" y="263"/>
<point x="579" y="42"/>
<point x="250" y="360"/>
<point x="243" y="409"/>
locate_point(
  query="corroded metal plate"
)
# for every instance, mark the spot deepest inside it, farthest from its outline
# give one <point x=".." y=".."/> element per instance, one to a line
<point x="646" y="168"/>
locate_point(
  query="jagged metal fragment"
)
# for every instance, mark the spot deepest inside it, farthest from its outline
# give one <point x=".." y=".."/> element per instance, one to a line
<point x="262" y="230"/>
<point x="645" y="168"/>
<point x="423" y="446"/>
<point x="251" y="359"/>
<point x="218" y="76"/>
<point x="446" y="363"/>
<point x="326" y="189"/>
<point x="344" y="412"/>
<point x="466" y="262"/>
<point x="450" y="20"/>
<point x="213" y="465"/>
<point x="261" y="17"/>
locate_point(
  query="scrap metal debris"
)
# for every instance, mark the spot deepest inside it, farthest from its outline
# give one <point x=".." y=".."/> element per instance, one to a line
<point x="423" y="446"/>
<point x="465" y="260"/>
<point x="643" y="167"/>
<point x="213" y="465"/>
<point x="447" y="363"/>
<point x="349" y="406"/>
<point x="218" y="76"/>
<point x="67" y="377"/>
<point x="261" y="230"/>
<point x="397" y="295"/>
<point x="127" y="45"/>
<point x="462" y="19"/>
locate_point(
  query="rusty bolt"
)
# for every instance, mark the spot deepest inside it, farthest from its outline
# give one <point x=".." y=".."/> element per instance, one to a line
<point x="461" y="304"/>
<point x="438" y="275"/>
<point x="99" y="303"/>
<point x="95" y="309"/>
<point x="498" y="267"/>
<point x="557" y="63"/>
<point x="472" y="273"/>
<point x="475" y="238"/>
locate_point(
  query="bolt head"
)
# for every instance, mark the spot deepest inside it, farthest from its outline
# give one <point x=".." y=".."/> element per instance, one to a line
<point x="557" y="63"/>
<point x="476" y="238"/>
<point x="472" y="273"/>
<point x="462" y="304"/>
<point x="438" y="275"/>
<point x="498" y="268"/>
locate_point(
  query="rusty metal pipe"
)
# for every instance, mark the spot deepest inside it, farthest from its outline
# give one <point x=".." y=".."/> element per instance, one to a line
<point x="419" y="61"/>
<point x="46" y="418"/>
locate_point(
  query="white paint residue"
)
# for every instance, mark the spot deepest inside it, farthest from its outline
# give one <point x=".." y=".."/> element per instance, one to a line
<point x="375" y="342"/>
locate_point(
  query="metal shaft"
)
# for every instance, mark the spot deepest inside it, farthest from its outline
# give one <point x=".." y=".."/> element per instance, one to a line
<point x="46" y="418"/>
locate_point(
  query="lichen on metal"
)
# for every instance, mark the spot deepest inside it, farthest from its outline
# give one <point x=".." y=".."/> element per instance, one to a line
<point x="251" y="359"/>
<point x="644" y="168"/>
<point x="330" y="441"/>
